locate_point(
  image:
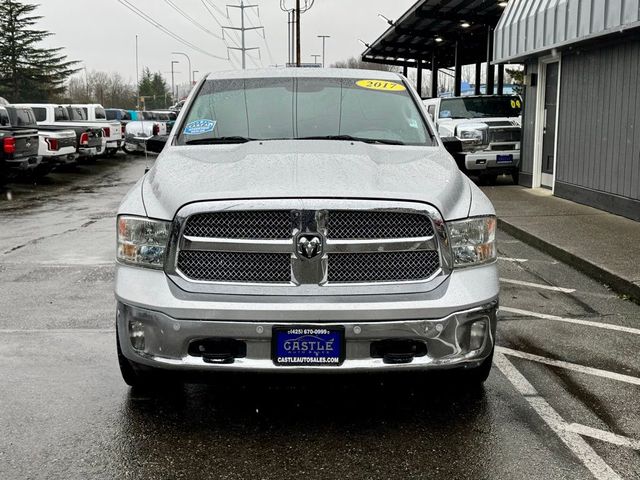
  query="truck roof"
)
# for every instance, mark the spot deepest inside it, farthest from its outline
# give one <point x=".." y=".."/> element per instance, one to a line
<point x="305" y="73"/>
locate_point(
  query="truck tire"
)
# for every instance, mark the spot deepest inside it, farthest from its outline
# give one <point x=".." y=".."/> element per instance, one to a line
<point x="133" y="377"/>
<point x="475" y="377"/>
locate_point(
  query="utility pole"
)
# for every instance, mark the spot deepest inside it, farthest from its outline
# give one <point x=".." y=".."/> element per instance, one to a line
<point x="324" y="39"/>
<point x="298" y="47"/>
<point x="243" y="48"/>
<point x="173" y="81"/>
<point x="293" y="15"/>
<point x="137" y="77"/>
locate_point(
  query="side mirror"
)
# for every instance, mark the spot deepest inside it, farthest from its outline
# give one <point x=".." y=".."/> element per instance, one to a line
<point x="452" y="144"/>
<point x="156" y="144"/>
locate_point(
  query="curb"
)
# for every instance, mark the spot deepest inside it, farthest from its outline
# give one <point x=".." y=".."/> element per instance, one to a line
<point x="616" y="282"/>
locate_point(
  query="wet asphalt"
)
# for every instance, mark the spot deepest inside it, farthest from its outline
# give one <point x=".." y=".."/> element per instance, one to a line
<point x="65" y="413"/>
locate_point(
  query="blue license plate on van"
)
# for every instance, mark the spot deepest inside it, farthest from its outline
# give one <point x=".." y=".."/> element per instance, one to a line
<point x="308" y="346"/>
<point x="504" y="158"/>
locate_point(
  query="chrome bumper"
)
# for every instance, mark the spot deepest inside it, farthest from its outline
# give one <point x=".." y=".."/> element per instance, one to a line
<point x="172" y="319"/>
<point x="487" y="160"/>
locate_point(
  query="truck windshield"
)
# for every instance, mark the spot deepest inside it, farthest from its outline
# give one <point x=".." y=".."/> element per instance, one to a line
<point x="481" y="107"/>
<point x="22" y="117"/>
<point x="374" y="111"/>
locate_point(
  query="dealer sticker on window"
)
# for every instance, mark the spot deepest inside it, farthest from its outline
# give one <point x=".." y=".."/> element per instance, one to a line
<point x="199" y="127"/>
<point x="381" y="85"/>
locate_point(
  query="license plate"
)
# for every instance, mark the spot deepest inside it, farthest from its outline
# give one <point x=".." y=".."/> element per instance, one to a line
<point x="308" y="346"/>
<point x="504" y="158"/>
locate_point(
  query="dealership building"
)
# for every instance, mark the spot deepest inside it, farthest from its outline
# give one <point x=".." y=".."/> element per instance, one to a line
<point x="581" y="118"/>
<point x="581" y="121"/>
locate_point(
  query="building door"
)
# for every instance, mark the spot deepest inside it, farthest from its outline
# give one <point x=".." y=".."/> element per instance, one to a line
<point x="550" y="119"/>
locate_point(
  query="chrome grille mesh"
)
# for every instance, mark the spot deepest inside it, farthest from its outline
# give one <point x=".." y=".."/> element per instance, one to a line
<point x="258" y="224"/>
<point x="505" y="135"/>
<point x="211" y="266"/>
<point x="355" y="224"/>
<point x="252" y="230"/>
<point x="382" y="267"/>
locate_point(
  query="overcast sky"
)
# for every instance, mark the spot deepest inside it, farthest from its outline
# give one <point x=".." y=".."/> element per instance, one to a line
<point x="101" y="33"/>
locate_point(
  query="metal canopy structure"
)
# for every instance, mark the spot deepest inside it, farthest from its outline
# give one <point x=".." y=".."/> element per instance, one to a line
<point x="440" y="33"/>
<point x="530" y="27"/>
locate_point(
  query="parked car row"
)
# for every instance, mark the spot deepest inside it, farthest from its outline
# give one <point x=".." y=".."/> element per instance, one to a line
<point x="36" y="138"/>
<point x="139" y="127"/>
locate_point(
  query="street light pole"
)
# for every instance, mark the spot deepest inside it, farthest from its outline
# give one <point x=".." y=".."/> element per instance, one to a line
<point x="188" y="60"/>
<point x="194" y="76"/>
<point x="315" y="58"/>
<point x="324" y="39"/>
<point x="173" y="81"/>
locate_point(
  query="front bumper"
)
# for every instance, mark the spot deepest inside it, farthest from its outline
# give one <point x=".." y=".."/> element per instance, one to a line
<point x="488" y="160"/>
<point x="172" y="319"/>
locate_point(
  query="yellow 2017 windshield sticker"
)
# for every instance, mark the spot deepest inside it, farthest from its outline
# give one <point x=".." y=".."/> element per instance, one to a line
<point x="381" y="85"/>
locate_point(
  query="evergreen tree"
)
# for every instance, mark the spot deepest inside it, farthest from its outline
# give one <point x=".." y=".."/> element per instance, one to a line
<point x="28" y="72"/>
<point x="154" y="89"/>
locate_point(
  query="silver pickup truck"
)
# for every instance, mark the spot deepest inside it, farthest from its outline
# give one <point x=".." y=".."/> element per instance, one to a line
<point x="305" y="220"/>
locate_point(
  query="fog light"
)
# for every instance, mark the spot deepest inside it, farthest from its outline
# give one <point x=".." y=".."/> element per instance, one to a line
<point x="478" y="332"/>
<point x="136" y="334"/>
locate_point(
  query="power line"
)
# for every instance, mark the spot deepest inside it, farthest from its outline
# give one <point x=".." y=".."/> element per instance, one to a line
<point x="165" y="30"/>
<point x="264" y="36"/>
<point x="192" y="20"/>
<point x="208" y="4"/>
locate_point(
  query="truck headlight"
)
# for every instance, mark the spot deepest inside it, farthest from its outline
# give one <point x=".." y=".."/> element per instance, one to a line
<point x="473" y="241"/>
<point x="473" y="134"/>
<point x="142" y="241"/>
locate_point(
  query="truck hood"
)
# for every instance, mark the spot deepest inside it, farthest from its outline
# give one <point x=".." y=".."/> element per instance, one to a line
<point x="447" y="127"/>
<point x="305" y="169"/>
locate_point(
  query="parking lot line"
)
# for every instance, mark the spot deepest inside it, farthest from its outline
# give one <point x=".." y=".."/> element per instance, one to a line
<point x="570" y="366"/>
<point x="604" y="436"/>
<point x="538" y="285"/>
<point x="544" y="316"/>
<point x="580" y="448"/>
<point x="516" y="260"/>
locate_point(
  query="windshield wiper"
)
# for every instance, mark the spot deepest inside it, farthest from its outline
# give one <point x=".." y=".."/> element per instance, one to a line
<point x="351" y="138"/>
<point x="219" y="140"/>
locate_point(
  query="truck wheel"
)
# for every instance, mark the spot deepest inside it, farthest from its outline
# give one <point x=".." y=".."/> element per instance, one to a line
<point x="131" y="376"/>
<point x="516" y="177"/>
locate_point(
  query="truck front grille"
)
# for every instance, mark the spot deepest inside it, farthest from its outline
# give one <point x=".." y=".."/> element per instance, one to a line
<point x="261" y="246"/>
<point x="260" y="224"/>
<point x="235" y="267"/>
<point x="512" y="134"/>
<point x="382" y="267"/>
<point x="357" y="225"/>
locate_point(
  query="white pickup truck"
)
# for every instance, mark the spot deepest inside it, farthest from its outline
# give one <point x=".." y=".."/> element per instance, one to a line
<point x="487" y="129"/>
<point x="52" y="117"/>
<point x="96" y="113"/>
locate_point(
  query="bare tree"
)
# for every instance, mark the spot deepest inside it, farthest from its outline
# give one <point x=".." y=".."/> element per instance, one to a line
<point x="358" y="63"/>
